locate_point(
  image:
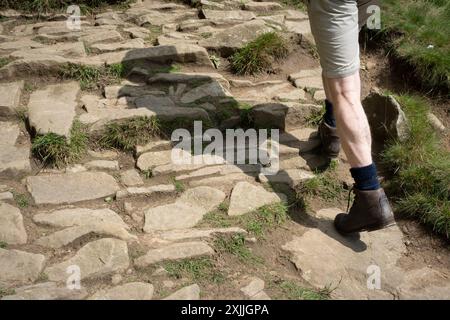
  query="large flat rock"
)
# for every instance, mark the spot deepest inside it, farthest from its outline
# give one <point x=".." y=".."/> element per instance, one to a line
<point x="10" y="97"/>
<point x="46" y="291"/>
<point x="191" y="292"/>
<point x="186" y="212"/>
<point x="128" y="291"/>
<point x="174" y="251"/>
<point x="53" y="108"/>
<point x="247" y="197"/>
<point x="14" y="160"/>
<point x="71" y="187"/>
<point x="326" y="258"/>
<point x="96" y="259"/>
<point x="19" y="267"/>
<point x="12" y="230"/>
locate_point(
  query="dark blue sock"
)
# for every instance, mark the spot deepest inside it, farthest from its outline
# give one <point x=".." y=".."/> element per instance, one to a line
<point x="329" y="116"/>
<point x="366" y="178"/>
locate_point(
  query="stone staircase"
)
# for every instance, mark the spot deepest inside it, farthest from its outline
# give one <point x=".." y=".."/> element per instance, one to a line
<point x="104" y="218"/>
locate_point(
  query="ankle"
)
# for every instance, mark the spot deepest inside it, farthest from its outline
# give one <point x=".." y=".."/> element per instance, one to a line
<point x="366" y="178"/>
<point x="329" y="116"/>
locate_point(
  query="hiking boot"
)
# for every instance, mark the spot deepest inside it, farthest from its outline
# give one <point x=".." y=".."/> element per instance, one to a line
<point x="331" y="144"/>
<point x="370" y="211"/>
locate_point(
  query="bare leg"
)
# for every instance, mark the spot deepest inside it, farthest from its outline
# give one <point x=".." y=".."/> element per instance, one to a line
<point x="352" y="125"/>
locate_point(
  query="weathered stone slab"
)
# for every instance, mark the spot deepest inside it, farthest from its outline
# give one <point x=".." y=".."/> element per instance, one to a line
<point x="9" y="132"/>
<point x="175" y="251"/>
<point x="291" y="177"/>
<point x="96" y="259"/>
<point x="19" y="267"/>
<point x="348" y="258"/>
<point x="103" y="165"/>
<point x="150" y="160"/>
<point x="66" y="50"/>
<point x="247" y="197"/>
<point x="46" y="291"/>
<point x="107" y="47"/>
<point x="131" y="178"/>
<point x="64" y="237"/>
<point x="71" y="187"/>
<point x="229" y="40"/>
<point x="12" y="230"/>
<point x="53" y="108"/>
<point x="79" y="217"/>
<point x="227" y="15"/>
<point x="191" y="292"/>
<point x="213" y="90"/>
<point x="145" y="191"/>
<point x="14" y="160"/>
<point x="128" y="291"/>
<point x="10" y="97"/>
<point x="261" y="6"/>
<point x="183" y="234"/>
<point x="186" y="212"/>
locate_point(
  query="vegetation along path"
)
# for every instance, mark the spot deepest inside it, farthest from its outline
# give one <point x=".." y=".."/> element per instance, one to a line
<point x="88" y="188"/>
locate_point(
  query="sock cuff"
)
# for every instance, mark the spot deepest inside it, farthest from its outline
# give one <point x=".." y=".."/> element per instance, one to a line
<point x="364" y="173"/>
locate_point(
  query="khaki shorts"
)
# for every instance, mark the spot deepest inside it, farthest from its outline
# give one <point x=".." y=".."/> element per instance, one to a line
<point x="335" y="25"/>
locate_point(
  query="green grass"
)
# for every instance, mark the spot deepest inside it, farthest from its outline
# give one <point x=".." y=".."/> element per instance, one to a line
<point x="3" y="244"/>
<point x="43" y="6"/>
<point x="420" y="170"/>
<point x="4" y="62"/>
<point x="21" y="200"/>
<point x="127" y="134"/>
<point x="200" y="269"/>
<point x="53" y="149"/>
<point x="235" y="245"/>
<point x="295" y="292"/>
<point x="414" y="26"/>
<point x="259" y="55"/>
<point x="179" y="186"/>
<point x="91" y="78"/>
<point x="257" y="223"/>
<point x="297" y="4"/>
<point x="324" y="185"/>
<point x="6" y="292"/>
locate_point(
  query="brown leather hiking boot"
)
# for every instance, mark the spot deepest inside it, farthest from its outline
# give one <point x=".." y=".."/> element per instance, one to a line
<point x="331" y="144"/>
<point x="370" y="211"/>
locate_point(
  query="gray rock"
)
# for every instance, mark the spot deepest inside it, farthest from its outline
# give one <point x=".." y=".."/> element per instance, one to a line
<point x="53" y="108"/>
<point x="131" y="178"/>
<point x="6" y="196"/>
<point x="66" y="50"/>
<point x="208" y="90"/>
<point x="47" y="291"/>
<point x="149" y="102"/>
<point x="261" y="6"/>
<point x="79" y="217"/>
<point x="14" y="160"/>
<point x="102" y="35"/>
<point x="128" y="291"/>
<point x="96" y="259"/>
<point x="229" y="40"/>
<point x="19" y="267"/>
<point x="186" y="212"/>
<point x="347" y="258"/>
<point x="71" y="187"/>
<point x="227" y="15"/>
<point x="150" y="160"/>
<point x="435" y="122"/>
<point x="10" y="97"/>
<point x="291" y="177"/>
<point x="174" y="251"/>
<point x="145" y="191"/>
<point x="102" y="165"/>
<point x="130" y="44"/>
<point x="191" y="292"/>
<point x="254" y="290"/>
<point x="183" y="234"/>
<point x="247" y="197"/>
<point x="12" y="230"/>
<point x="9" y="132"/>
<point x="424" y="284"/>
<point x="386" y="118"/>
<point x="64" y="237"/>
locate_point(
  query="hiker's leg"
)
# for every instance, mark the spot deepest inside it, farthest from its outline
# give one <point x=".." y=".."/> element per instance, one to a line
<point x="335" y="27"/>
<point x="352" y="125"/>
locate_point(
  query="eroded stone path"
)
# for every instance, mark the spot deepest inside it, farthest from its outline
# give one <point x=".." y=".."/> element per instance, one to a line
<point x="126" y="232"/>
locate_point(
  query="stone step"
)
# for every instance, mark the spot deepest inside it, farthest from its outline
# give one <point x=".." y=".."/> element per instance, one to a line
<point x="71" y="187"/>
<point x="19" y="267"/>
<point x="10" y="94"/>
<point x="52" y="110"/>
<point x="177" y="251"/>
<point x="128" y="291"/>
<point x="96" y="259"/>
<point x="12" y="230"/>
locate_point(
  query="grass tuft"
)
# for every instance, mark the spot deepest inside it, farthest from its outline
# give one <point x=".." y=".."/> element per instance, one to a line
<point x="21" y="200"/>
<point x="44" y="6"/>
<point x="196" y="269"/>
<point x="53" y="149"/>
<point x="420" y="169"/>
<point x="296" y="292"/>
<point x="130" y="133"/>
<point x="259" y="55"/>
<point x="91" y="78"/>
<point x="235" y="245"/>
